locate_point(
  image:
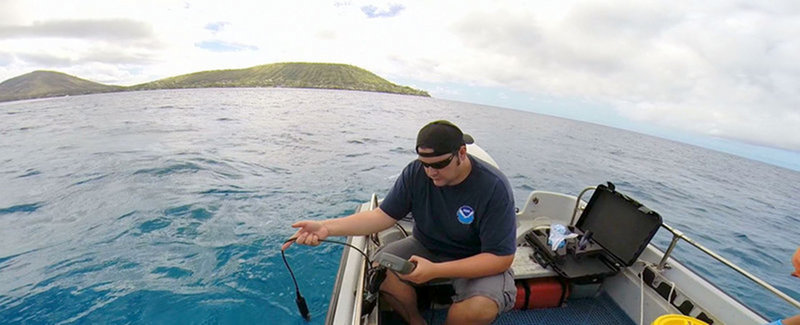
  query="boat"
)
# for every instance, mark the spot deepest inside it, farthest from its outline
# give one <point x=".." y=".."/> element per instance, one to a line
<point x="652" y="286"/>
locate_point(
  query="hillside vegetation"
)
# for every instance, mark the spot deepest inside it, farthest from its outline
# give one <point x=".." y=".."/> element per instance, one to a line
<point x="39" y="84"/>
<point x="291" y="75"/>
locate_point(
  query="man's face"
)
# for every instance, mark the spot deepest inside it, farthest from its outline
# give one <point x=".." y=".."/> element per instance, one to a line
<point x="443" y="169"/>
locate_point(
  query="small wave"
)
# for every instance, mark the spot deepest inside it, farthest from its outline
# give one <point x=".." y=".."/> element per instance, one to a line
<point x="28" y="208"/>
<point x="208" y="161"/>
<point x="153" y="225"/>
<point x="69" y="262"/>
<point x="10" y="260"/>
<point x="518" y="176"/>
<point x="745" y="258"/>
<point x="222" y="301"/>
<point x="30" y="172"/>
<point x="369" y="168"/>
<point x="114" y="238"/>
<point x="617" y="153"/>
<point x="84" y="268"/>
<point x="126" y="215"/>
<point x="225" y="192"/>
<point x="363" y="141"/>
<point x="770" y="206"/>
<point x="526" y="187"/>
<point x="188" y="231"/>
<point x="178" y="211"/>
<point x="172" y="272"/>
<point x="355" y="155"/>
<point x="201" y="214"/>
<point x="184" y="210"/>
<point x="742" y="237"/>
<point x="89" y="180"/>
<point x="174" y="169"/>
<point x="400" y="150"/>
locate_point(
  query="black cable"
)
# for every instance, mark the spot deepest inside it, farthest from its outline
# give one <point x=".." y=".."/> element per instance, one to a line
<point x="301" y="302"/>
<point x="430" y="309"/>
<point x="369" y="262"/>
<point x="398" y="225"/>
<point x="302" y="306"/>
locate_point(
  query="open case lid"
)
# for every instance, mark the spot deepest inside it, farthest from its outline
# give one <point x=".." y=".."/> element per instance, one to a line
<point x="622" y="226"/>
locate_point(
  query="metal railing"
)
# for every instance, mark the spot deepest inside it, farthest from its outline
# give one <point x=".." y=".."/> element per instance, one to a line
<point x="677" y="235"/>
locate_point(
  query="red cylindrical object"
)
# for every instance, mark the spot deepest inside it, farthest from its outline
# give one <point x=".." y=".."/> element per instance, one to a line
<point x="541" y="293"/>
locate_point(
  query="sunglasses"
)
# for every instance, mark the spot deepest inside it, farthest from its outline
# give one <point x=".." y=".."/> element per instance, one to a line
<point x="439" y="164"/>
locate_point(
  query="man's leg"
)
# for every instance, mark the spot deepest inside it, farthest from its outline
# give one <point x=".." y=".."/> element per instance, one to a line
<point x="481" y="300"/>
<point x="476" y="310"/>
<point x="402" y="297"/>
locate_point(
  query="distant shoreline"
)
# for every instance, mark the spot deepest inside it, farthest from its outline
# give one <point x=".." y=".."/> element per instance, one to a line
<point x="45" y="84"/>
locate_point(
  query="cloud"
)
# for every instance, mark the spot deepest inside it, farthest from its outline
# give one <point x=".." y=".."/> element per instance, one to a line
<point x="723" y="69"/>
<point x="96" y="55"/>
<point x="105" y="29"/>
<point x="45" y="59"/>
<point x="374" y="12"/>
<point x="717" y="69"/>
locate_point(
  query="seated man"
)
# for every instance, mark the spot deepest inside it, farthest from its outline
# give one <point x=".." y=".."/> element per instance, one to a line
<point x="464" y="229"/>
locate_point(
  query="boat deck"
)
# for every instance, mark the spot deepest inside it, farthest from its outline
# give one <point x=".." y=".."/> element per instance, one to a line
<point x="600" y="310"/>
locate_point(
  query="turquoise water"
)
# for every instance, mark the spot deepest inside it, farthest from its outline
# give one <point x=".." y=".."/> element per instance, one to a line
<point x="170" y="206"/>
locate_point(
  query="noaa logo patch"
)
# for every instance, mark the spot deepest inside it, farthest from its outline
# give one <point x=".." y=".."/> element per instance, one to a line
<point x="465" y="214"/>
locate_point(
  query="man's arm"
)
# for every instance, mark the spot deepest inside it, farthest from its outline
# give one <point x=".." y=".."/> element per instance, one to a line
<point x="362" y="223"/>
<point x="475" y="266"/>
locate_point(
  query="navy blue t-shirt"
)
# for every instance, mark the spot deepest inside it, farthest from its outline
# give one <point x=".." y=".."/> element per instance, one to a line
<point x="472" y="217"/>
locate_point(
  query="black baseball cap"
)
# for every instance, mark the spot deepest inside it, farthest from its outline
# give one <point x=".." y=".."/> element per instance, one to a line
<point x="441" y="136"/>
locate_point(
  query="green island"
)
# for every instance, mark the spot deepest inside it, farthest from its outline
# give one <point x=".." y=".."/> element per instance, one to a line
<point x="41" y="84"/>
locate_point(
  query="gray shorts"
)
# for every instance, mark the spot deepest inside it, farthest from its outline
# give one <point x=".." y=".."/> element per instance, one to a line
<point x="499" y="287"/>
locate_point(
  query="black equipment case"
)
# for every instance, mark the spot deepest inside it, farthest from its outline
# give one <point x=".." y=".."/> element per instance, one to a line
<point x="618" y="229"/>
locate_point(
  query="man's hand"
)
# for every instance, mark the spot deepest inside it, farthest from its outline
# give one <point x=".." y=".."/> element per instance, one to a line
<point x="423" y="272"/>
<point x="310" y="233"/>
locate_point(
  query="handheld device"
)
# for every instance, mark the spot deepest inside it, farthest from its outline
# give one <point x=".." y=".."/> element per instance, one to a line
<point x="395" y="263"/>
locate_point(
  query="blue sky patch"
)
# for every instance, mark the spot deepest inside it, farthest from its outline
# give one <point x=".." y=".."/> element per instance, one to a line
<point x="221" y="46"/>
<point x="217" y="26"/>
<point x="374" y="12"/>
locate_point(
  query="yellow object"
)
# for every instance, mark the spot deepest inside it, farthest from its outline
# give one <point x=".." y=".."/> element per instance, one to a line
<point x="674" y="319"/>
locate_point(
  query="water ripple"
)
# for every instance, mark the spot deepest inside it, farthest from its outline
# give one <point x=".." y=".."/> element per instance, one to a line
<point x="172" y="272"/>
<point x="27" y="208"/>
<point x="173" y="169"/>
<point x="153" y="225"/>
<point x="30" y="172"/>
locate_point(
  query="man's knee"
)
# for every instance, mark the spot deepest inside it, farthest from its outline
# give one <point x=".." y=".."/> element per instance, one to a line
<point x="477" y="308"/>
<point x="390" y="282"/>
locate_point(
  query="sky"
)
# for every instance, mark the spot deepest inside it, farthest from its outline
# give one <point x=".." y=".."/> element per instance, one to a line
<point x="720" y="74"/>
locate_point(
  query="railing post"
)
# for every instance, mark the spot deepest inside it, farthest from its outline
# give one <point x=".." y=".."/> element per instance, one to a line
<point x="672" y="244"/>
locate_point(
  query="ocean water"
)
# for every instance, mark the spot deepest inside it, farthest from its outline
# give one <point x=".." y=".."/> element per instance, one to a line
<point x="170" y="206"/>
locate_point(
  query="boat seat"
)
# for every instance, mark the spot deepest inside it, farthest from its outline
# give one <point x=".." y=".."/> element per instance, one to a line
<point x="525" y="267"/>
<point x="555" y="206"/>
